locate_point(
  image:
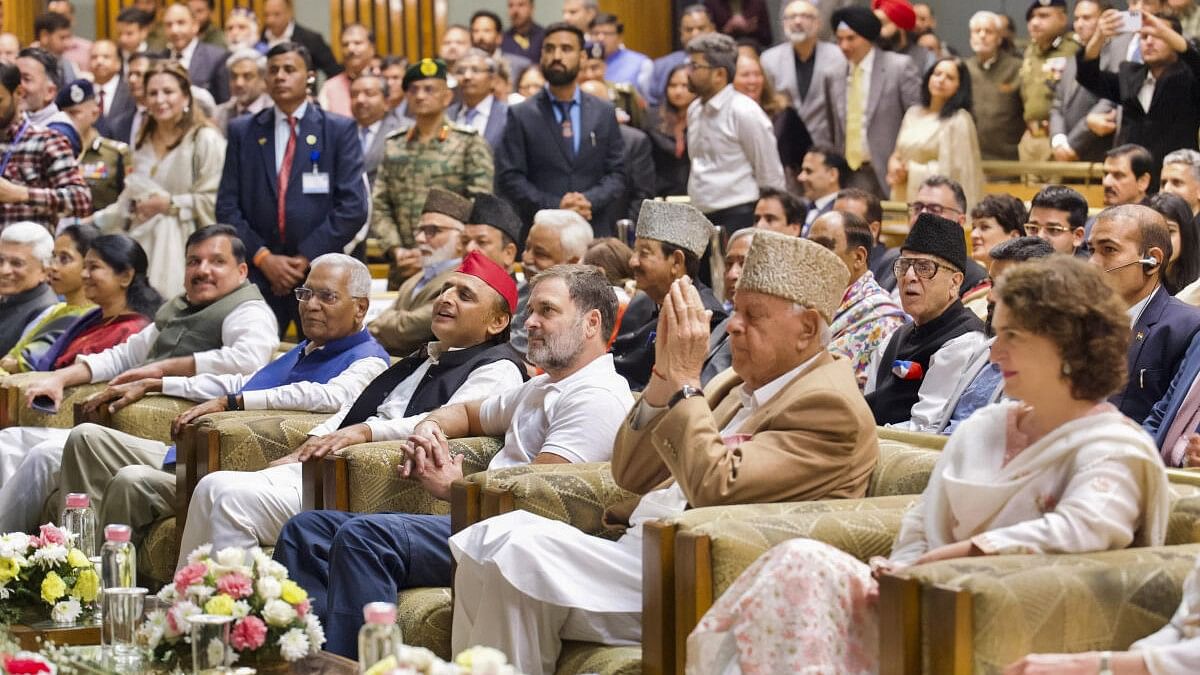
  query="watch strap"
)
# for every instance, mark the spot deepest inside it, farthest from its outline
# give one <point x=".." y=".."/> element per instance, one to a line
<point x="231" y="402"/>
<point x="686" y="391"/>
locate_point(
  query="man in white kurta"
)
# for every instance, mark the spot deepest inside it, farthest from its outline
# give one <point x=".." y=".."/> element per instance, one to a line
<point x="788" y="423"/>
<point x="215" y="272"/>
<point x="131" y="480"/>
<point x="471" y="317"/>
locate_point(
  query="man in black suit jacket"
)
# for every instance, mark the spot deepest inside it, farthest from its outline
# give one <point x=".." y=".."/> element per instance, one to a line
<point x="479" y="108"/>
<point x="563" y="148"/>
<point x="1161" y="116"/>
<point x="1131" y="244"/>
<point x="279" y="25"/>
<point x="205" y="63"/>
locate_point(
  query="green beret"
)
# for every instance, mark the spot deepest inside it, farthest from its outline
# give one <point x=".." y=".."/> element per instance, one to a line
<point x="423" y="70"/>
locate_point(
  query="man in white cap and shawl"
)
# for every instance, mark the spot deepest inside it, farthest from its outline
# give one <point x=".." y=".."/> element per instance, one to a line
<point x="787" y="423"/>
<point x="671" y="240"/>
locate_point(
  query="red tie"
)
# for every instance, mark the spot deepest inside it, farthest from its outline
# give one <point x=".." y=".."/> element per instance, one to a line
<point x="100" y="96"/>
<point x="285" y="172"/>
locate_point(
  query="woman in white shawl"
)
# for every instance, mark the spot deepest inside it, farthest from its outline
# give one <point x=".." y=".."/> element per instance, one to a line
<point x="177" y="162"/>
<point x="1057" y="470"/>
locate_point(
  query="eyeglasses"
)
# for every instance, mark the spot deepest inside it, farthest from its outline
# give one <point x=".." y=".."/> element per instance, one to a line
<point x="916" y="208"/>
<point x="431" y="231"/>
<point x="925" y="268"/>
<point x="799" y="17"/>
<point x="1034" y="230"/>
<point x="304" y="294"/>
<point x="692" y="65"/>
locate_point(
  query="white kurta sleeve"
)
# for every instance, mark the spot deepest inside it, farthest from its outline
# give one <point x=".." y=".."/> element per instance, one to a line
<point x="910" y="542"/>
<point x="945" y="367"/>
<point x="1169" y="651"/>
<point x="250" y="336"/>
<point x="330" y="425"/>
<point x="1100" y="510"/>
<point x="117" y="359"/>
<point x="203" y="387"/>
<point x="496" y="377"/>
<point x="317" y="397"/>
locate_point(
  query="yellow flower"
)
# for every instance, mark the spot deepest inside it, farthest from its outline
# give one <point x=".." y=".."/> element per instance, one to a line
<point x="77" y="559"/>
<point x="9" y="569"/>
<point x="53" y="588"/>
<point x="219" y="604"/>
<point x="291" y="593"/>
<point x="87" y="586"/>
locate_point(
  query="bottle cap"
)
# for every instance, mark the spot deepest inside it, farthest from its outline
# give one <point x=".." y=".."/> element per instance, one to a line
<point x="78" y="500"/>
<point x="379" y="613"/>
<point x="117" y="533"/>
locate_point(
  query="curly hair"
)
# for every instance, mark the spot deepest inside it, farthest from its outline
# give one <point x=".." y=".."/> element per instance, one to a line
<point x="1066" y="301"/>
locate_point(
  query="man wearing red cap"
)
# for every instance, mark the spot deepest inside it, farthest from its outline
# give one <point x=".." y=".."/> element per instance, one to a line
<point x="569" y="414"/>
<point x="469" y="359"/>
<point x="897" y="21"/>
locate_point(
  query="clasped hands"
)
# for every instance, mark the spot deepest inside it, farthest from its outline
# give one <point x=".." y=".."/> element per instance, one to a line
<point x="575" y="201"/>
<point x="284" y="272"/>
<point x="681" y="343"/>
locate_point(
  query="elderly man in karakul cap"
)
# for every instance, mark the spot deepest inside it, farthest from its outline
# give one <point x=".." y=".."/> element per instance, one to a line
<point x="671" y="240"/>
<point x="786" y="423"/>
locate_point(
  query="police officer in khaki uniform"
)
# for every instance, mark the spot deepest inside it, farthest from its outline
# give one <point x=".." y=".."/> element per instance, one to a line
<point x="1050" y="45"/>
<point x="427" y="152"/>
<point x="103" y="162"/>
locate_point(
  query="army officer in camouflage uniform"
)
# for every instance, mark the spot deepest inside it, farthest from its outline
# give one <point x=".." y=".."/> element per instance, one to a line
<point x="103" y="162"/>
<point x="428" y="152"/>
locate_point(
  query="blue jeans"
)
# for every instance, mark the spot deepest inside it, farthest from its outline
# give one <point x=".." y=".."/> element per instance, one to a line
<point x="345" y="560"/>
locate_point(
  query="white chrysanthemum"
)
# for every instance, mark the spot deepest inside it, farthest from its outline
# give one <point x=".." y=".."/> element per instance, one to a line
<point x="293" y="645"/>
<point x="200" y="553"/>
<point x="50" y="555"/>
<point x="154" y="629"/>
<point x="168" y="594"/>
<point x="66" y="611"/>
<point x="418" y="657"/>
<point x="231" y="556"/>
<point x="241" y="609"/>
<point x="274" y="569"/>
<point x="216" y="651"/>
<point x="316" y="634"/>
<point x="268" y="588"/>
<point x="181" y="613"/>
<point x="278" y="613"/>
<point x="14" y="544"/>
<point x="199" y="593"/>
<point x="261" y="560"/>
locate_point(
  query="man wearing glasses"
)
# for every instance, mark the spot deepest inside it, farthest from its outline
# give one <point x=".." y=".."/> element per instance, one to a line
<point x="944" y="197"/>
<point x="1058" y="215"/>
<point x="929" y="274"/>
<point x="407" y="324"/>
<point x="804" y="67"/>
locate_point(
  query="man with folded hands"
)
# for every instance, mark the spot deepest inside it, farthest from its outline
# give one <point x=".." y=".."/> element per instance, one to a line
<point x="131" y="480"/>
<point x="787" y="423"/>
<point x="568" y="414"/>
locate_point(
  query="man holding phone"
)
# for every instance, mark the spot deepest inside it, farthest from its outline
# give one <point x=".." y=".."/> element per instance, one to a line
<point x="1159" y="97"/>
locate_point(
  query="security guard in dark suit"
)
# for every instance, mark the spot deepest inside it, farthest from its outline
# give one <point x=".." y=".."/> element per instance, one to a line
<point x="103" y="162"/>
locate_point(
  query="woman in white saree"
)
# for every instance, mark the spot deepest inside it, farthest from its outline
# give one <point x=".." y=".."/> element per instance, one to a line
<point x="1057" y="470"/>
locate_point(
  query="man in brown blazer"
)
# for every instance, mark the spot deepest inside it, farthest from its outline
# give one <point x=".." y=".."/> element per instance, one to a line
<point x="408" y="324"/>
<point x="786" y="423"/>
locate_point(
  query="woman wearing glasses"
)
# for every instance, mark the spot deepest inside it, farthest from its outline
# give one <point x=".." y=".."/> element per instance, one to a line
<point x="938" y="136"/>
<point x="1055" y="469"/>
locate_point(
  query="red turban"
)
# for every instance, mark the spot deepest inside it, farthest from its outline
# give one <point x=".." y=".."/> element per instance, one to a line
<point x="899" y="12"/>
<point x="482" y="267"/>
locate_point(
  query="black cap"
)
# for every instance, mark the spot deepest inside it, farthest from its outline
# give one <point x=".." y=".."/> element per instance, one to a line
<point x="1044" y="3"/>
<point x="75" y="93"/>
<point x="859" y="19"/>
<point x="938" y="236"/>
<point x="495" y="211"/>
<point x="423" y="70"/>
<point x="593" y="50"/>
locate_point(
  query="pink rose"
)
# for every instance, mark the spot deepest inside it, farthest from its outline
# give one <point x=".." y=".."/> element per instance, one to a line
<point x="53" y="535"/>
<point x="248" y="634"/>
<point x="235" y="585"/>
<point x="190" y="575"/>
<point x="303" y="607"/>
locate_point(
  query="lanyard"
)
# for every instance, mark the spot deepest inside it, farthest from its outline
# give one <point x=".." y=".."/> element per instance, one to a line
<point x="13" y="146"/>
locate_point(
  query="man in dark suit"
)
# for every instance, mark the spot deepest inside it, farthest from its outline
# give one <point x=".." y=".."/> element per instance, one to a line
<point x="293" y="182"/>
<point x="562" y="148"/>
<point x="478" y="107"/>
<point x="112" y="94"/>
<point x="1173" y="421"/>
<point x="368" y="104"/>
<point x="1160" y="98"/>
<point x="279" y="25"/>
<point x="1071" y="138"/>
<point x="205" y="63"/>
<point x="1131" y="244"/>
<point x="639" y="163"/>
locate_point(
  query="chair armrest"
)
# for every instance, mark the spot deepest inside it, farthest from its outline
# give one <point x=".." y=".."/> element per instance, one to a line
<point x="150" y="417"/>
<point x="981" y="614"/>
<point x="577" y="494"/>
<point x="24" y="416"/>
<point x="249" y="440"/>
<point x="914" y="438"/>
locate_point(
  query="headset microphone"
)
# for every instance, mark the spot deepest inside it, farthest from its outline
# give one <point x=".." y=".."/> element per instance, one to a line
<point x="1149" y="262"/>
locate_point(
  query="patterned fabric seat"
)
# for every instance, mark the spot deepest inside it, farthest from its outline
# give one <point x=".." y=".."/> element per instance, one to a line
<point x="14" y="412"/>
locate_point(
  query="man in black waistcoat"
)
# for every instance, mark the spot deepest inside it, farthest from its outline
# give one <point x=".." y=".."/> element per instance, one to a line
<point x="929" y="273"/>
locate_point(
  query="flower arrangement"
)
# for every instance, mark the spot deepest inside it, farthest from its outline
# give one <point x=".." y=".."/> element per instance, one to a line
<point x="46" y="571"/>
<point x="271" y="617"/>
<point x="420" y="661"/>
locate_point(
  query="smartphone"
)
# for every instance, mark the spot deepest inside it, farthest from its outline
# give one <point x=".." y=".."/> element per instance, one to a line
<point x="1131" y="22"/>
<point x="44" y="404"/>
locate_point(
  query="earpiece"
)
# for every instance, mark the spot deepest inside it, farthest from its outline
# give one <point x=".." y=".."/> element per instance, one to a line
<point x="1149" y="264"/>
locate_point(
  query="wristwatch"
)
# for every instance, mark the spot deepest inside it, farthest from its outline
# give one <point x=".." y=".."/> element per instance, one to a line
<point x="231" y="402"/>
<point x="1105" y="665"/>
<point x="687" y="391"/>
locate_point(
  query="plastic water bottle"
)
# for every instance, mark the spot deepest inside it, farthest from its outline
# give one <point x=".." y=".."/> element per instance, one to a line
<point x="79" y="520"/>
<point x="118" y="559"/>
<point x="379" y="638"/>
